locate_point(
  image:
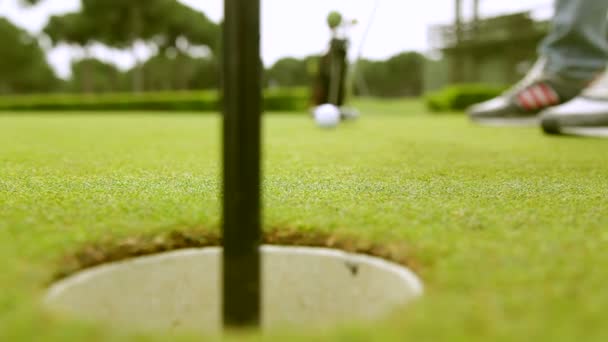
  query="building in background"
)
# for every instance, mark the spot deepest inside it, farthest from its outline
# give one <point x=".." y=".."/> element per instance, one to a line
<point x="493" y="50"/>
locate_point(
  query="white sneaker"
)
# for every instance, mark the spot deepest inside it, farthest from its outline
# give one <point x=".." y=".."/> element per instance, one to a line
<point x="585" y="115"/>
<point x="522" y="104"/>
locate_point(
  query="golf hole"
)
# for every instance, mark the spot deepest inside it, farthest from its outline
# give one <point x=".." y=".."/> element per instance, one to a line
<point x="180" y="290"/>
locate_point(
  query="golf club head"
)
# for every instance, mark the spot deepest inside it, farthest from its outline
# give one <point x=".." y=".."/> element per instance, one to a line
<point x="349" y="113"/>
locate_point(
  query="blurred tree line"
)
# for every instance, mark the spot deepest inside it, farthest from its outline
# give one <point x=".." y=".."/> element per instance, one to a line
<point x="185" y="46"/>
<point x="398" y="76"/>
<point x="184" y="42"/>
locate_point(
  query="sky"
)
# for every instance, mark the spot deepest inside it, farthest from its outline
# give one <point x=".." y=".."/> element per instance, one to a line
<point x="297" y="27"/>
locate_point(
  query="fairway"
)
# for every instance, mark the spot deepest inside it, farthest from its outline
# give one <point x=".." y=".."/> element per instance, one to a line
<point x="505" y="226"/>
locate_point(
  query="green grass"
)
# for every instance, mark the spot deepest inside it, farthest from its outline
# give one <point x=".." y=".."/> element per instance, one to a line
<point x="509" y="227"/>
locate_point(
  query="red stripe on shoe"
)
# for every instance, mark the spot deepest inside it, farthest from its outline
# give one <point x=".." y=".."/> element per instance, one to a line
<point x="550" y="94"/>
<point x="528" y="100"/>
<point x="539" y="96"/>
<point x="524" y="102"/>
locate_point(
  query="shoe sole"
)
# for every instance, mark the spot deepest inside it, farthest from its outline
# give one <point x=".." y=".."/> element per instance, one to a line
<point x="508" y="122"/>
<point x="555" y="126"/>
<point x="591" y="132"/>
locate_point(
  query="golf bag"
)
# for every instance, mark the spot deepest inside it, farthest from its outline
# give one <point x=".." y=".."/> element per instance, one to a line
<point x="330" y="82"/>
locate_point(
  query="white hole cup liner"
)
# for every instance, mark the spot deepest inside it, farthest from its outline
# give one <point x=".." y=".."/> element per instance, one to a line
<point x="180" y="290"/>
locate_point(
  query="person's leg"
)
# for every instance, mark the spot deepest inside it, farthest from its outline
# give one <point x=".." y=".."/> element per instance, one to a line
<point x="572" y="55"/>
<point x="577" y="46"/>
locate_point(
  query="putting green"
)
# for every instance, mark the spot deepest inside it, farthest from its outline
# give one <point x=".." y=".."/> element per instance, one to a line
<point x="506" y="227"/>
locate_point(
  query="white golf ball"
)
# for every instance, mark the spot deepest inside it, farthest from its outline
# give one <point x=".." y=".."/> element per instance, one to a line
<point x="327" y="116"/>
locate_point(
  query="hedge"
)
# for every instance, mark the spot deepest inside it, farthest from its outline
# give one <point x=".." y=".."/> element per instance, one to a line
<point x="460" y="97"/>
<point x="286" y="100"/>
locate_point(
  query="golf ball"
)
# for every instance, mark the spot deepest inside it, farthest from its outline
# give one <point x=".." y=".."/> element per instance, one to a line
<point x="327" y="116"/>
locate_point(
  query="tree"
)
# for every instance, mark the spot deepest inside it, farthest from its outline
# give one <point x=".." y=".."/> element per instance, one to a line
<point x="102" y="77"/>
<point x="162" y="23"/>
<point x="23" y="66"/>
<point x="75" y="29"/>
<point x="206" y="74"/>
<point x="28" y="2"/>
<point x="187" y="32"/>
<point x="194" y="73"/>
<point x="194" y="28"/>
<point x="400" y="75"/>
<point x="407" y="74"/>
<point x="123" y="24"/>
<point x="290" y="72"/>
